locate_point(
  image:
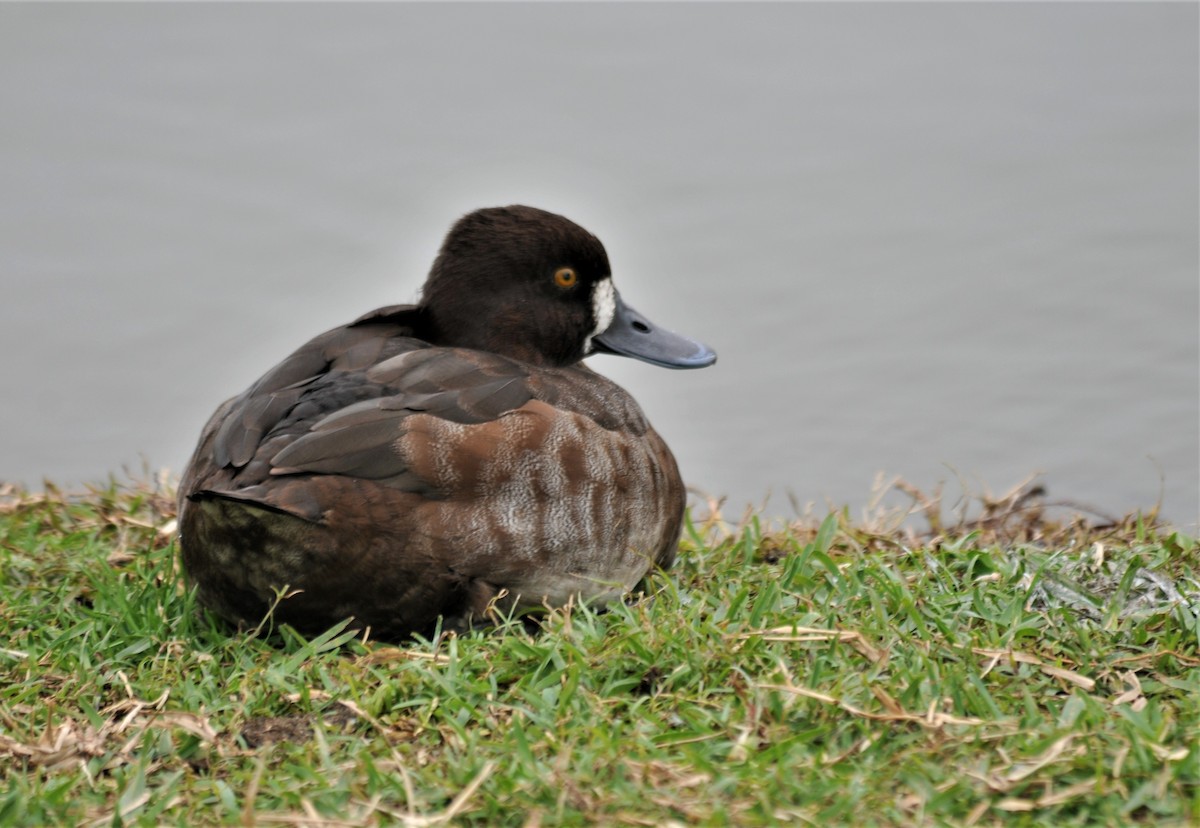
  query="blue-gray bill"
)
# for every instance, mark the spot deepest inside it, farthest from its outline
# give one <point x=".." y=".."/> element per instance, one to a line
<point x="633" y="335"/>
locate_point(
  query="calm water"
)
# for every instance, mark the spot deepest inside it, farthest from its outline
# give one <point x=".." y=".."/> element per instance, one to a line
<point x="935" y="241"/>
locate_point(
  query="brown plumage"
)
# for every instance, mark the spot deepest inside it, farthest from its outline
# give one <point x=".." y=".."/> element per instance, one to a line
<point x="428" y="461"/>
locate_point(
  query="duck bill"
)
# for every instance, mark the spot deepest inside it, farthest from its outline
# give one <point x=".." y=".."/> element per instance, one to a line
<point x="633" y="335"/>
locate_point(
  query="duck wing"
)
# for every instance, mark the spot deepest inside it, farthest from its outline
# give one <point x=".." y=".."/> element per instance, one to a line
<point x="360" y="440"/>
<point x="339" y="406"/>
<point x="239" y="427"/>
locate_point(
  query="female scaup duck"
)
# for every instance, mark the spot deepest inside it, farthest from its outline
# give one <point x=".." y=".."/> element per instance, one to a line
<point x="448" y="458"/>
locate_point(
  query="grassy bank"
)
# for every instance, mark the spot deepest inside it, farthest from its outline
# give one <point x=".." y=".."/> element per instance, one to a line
<point x="1004" y="671"/>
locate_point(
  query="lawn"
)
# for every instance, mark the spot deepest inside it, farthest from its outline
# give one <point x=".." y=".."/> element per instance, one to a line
<point x="1014" y="668"/>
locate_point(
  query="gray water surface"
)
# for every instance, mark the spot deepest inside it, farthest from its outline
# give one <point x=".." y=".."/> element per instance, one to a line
<point x="934" y="241"/>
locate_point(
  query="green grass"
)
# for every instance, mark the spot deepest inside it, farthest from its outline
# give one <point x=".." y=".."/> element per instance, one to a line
<point x="828" y="674"/>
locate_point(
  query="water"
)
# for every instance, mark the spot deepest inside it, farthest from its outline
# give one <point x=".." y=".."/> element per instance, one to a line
<point x="938" y="241"/>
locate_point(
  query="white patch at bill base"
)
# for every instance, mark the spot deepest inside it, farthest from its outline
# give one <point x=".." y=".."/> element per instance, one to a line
<point x="604" y="308"/>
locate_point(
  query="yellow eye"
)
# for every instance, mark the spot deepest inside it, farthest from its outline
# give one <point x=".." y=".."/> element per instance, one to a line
<point x="565" y="277"/>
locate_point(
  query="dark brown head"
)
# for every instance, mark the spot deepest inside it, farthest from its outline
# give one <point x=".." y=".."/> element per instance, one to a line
<point x="535" y="286"/>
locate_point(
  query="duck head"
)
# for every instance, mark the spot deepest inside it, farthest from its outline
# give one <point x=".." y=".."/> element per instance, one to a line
<point x="535" y="286"/>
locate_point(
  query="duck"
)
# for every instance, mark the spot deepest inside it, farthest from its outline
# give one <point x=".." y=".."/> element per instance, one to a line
<point x="434" y="467"/>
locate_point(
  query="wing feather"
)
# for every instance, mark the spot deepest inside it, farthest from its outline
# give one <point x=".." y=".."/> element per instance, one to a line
<point x="360" y="440"/>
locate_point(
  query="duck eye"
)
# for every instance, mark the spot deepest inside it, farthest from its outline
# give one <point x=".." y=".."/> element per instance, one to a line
<point x="565" y="277"/>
